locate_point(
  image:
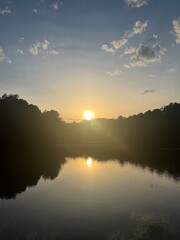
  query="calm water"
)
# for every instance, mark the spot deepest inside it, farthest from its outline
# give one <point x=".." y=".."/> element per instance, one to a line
<point x="85" y="198"/>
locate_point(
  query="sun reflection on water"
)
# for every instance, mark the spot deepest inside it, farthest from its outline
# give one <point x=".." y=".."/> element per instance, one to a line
<point x="89" y="162"/>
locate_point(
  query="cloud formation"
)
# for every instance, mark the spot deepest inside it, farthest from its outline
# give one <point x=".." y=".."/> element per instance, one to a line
<point x="136" y="3"/>
<point x="55" y="6"/>
<point x="40" y="2"/>
<point x="172" y="70"/>
<point x="6" y="10"/>
<point x="20" y="51"/>
<point x="139" y="27"/>
<point x="107" y="49"/>
<point x="176" y="26"/>
<point x="35" y="11"/>
<point x="52" y="52"/>
<point x="152" y="75"/>
<point x="2" y="55"/>
<point x="114" y="45"/>
<point x="21" y="39"/>
<point x="8" y="61"/>
<point x="39" y="47"/>
<point x="146" y="54"/>
<point x="126" y="66"/>
<point x="114" y="73"/>
<point x="129" y="50"/>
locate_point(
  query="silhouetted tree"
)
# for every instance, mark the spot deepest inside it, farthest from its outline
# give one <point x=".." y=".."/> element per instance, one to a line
<point x="156" y="128"/>
<point x="24" y="124"/>
<point x="22" y="168"/>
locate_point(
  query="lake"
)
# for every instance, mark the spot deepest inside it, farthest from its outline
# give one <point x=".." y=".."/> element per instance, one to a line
<point x="87" y="197"/>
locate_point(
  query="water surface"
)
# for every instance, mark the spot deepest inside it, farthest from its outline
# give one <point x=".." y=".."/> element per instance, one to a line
<point x="88" y="198"/>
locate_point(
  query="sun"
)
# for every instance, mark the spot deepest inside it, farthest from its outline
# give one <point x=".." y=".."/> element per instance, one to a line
<point x="88" y="115"/>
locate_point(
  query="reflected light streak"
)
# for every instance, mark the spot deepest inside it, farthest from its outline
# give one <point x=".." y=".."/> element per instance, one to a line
<point x="89" y="162"/>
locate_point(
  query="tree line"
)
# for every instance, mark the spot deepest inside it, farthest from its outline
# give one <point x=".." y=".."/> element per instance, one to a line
<point x="22" y="123"/>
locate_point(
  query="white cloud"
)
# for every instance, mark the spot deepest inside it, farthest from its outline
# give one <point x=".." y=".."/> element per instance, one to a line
<point x="35" y="11"/>
<point x="39" y="47"/>
<point x="146" y="54"/>
<point x="3" y="57"/>
<point x="20" y="51"/>
<point x="5" y="11"/>
<point x="172" y="70"/>
<point x="40" y="2"/>
<point x="126" y="66"/>
<point x="116" y="44"/>
<point x="176" y="26"/>
<point x="44" y="44"/>
<point x="136" y="3"/>
<point x="53" y="52"/>
<point x="55" y="6"/>
<point x="152" y="75"/>
<point x="2" y="54"/>
<point x="129" y="50"/>
<point x="115" y="72"/>
<point x="9" y="61"/>
<point x="21" y="39"/>
<point x="107" y="49"/>
<point x="155" y="36"/>
<point x="139" y="27"/>
<point x="34" y="50"/>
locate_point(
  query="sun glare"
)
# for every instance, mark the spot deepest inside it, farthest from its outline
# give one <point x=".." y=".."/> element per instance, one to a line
<point x="88" y="115"/>
<point x="89" y="162"/>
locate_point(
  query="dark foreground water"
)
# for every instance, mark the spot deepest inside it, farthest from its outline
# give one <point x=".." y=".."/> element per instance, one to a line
<point x="86" y="198"/>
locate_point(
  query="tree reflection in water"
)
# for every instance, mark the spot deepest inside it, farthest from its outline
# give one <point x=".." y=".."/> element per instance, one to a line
<point x="22" y="168"/>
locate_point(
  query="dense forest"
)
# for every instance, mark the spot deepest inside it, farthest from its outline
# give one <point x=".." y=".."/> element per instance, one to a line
<point x="22" y="124"/>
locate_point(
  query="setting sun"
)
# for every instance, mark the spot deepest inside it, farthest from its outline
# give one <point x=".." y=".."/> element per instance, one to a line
<point x="88" y="115"/>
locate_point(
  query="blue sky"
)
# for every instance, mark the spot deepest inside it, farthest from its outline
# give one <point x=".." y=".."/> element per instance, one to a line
<point x="117" y="57"/>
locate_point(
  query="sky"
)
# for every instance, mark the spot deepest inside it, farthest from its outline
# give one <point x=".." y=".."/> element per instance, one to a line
<point x="114" y="57"/>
